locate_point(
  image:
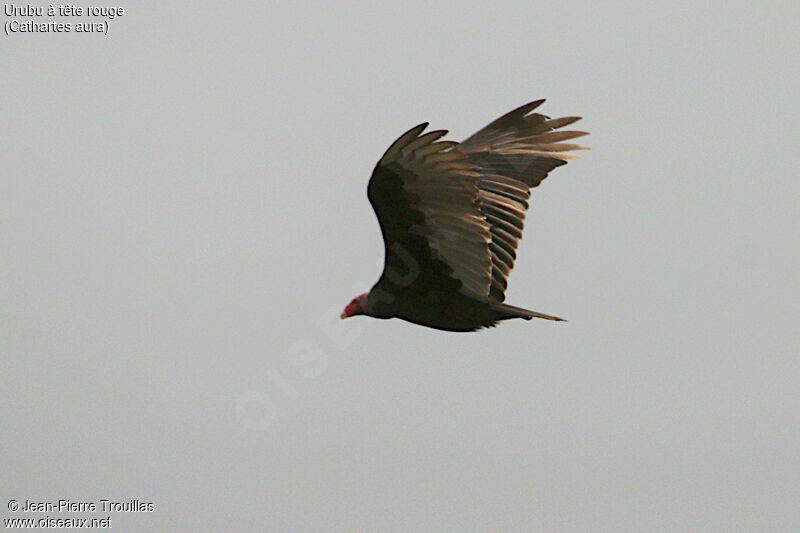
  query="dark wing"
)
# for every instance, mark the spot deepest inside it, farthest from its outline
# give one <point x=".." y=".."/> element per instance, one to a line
<point x="425" y="194"/>
<point x="513" y="154"/>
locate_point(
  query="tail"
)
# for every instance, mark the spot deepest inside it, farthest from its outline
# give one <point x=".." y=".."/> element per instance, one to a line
<point x="510" y="311"/>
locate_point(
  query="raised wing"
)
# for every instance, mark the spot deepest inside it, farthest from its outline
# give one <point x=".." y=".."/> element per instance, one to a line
<point x="424" y="193"/>
<point x="512" y="154"/>
<point x="452" y="214"/>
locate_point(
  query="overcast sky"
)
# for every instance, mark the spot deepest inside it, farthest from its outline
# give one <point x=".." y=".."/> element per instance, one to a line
<point x="183" y="215"/>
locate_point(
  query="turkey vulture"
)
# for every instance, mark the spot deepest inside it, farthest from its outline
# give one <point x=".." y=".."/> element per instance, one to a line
<point x="452" y="215"/>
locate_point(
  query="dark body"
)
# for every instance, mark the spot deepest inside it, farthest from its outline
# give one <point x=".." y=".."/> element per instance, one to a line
<point x="416" y="285"/>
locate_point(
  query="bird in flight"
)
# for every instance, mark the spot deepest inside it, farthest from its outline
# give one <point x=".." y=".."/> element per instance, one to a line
<point x="452" y="214"/>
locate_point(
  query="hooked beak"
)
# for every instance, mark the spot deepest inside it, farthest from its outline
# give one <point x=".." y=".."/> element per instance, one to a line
<point x="343" y="315"/>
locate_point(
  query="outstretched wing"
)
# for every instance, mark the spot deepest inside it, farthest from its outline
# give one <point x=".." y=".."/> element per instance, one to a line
<point x="512" y="154"/>
<point x="436" y="237"/>
<point x="452" y="214"/>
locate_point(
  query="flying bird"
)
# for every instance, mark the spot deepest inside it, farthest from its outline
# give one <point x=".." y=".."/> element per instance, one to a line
<point x="452" y="215"/>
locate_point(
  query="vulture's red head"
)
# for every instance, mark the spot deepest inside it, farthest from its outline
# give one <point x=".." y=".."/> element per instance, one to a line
<point x="356" y="306"/>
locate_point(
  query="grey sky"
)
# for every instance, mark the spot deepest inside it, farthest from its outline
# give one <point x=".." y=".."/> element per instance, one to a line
<point x="183" y="215"/>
